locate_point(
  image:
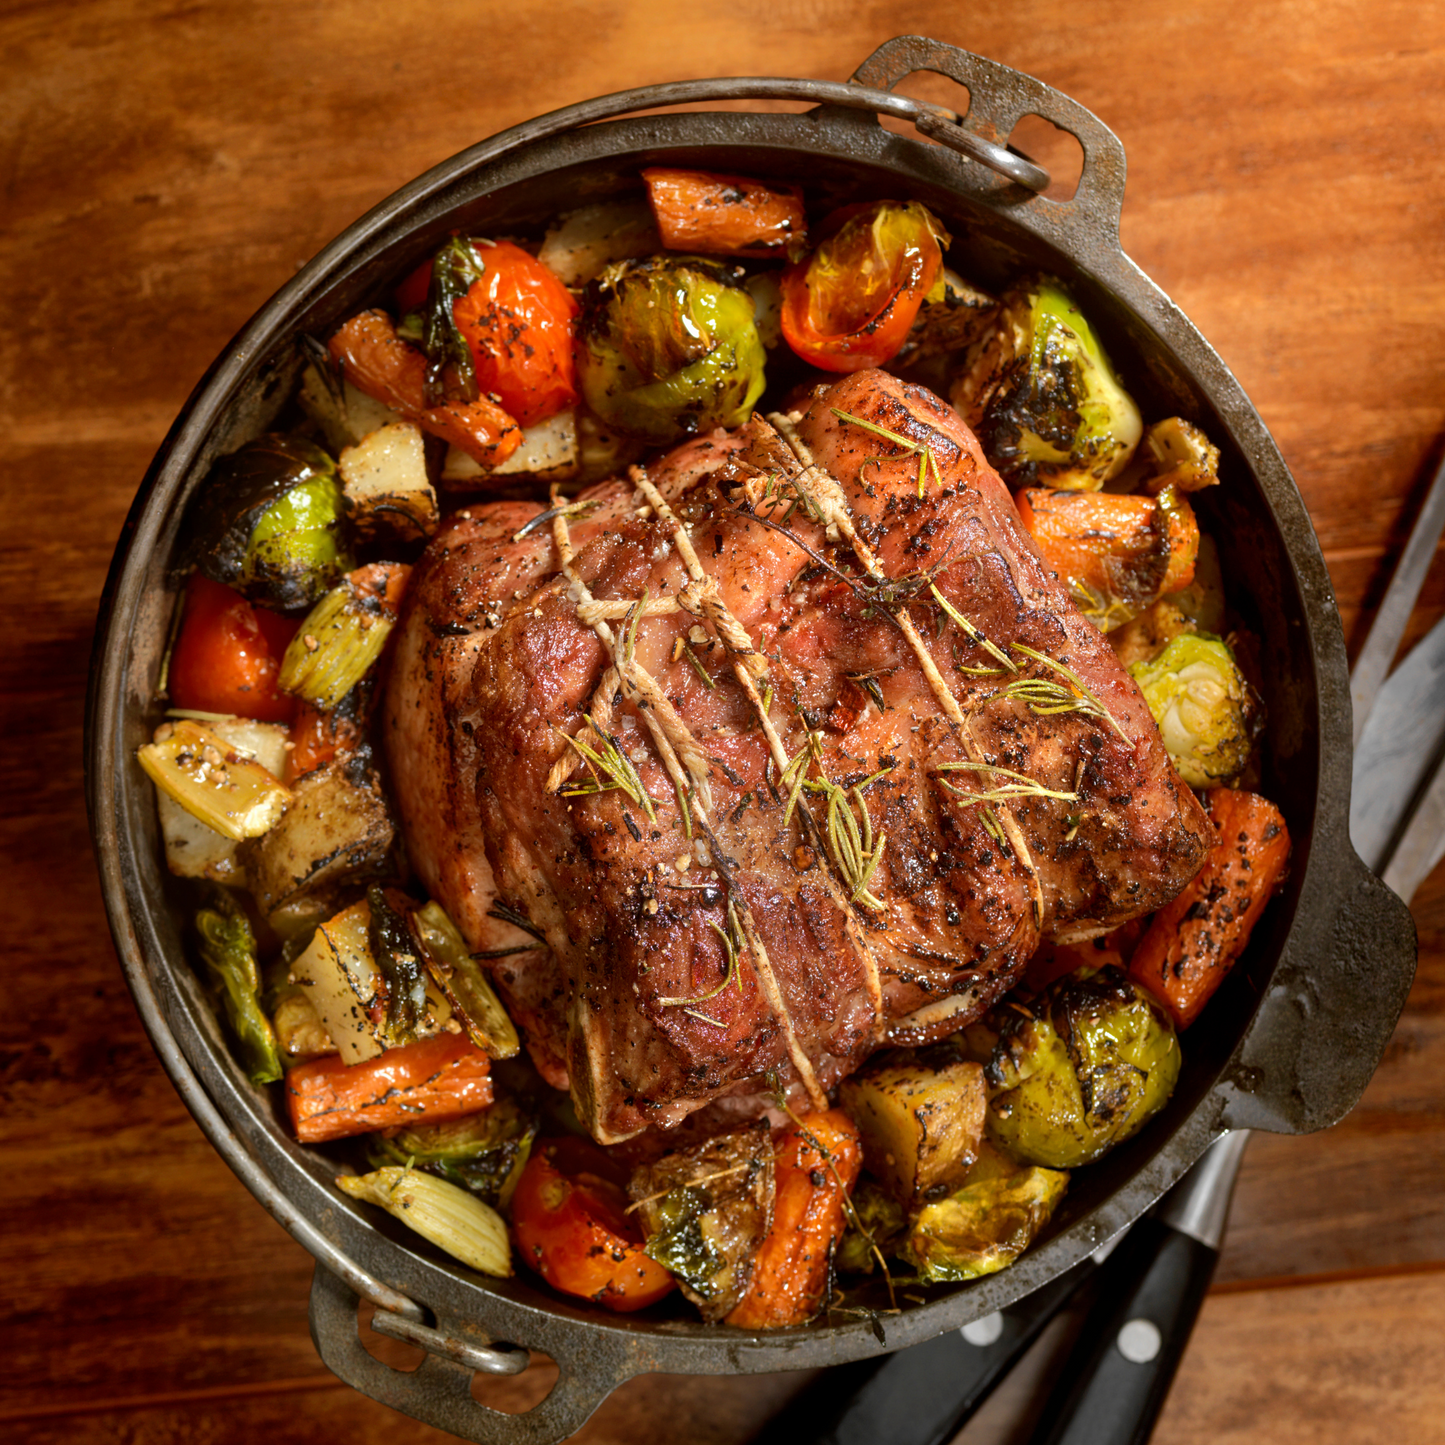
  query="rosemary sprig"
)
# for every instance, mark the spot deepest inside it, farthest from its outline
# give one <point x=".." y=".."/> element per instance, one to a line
<point x="1019" y="785"/>
<point x="503" y="914"/>
<point x="1094" y="707"/>
<point x="629" y="636"/>
<point x="610" y="768"/>
<point x="778" y="488"/>
<point x="972" y="631"/>
<point x="567" y="509"/>
<point x="733" y="944"/>
<point x="853" y="850"/>
<point x="926" y="460"/>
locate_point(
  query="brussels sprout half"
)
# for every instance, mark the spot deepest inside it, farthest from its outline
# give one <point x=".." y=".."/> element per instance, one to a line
<point x="1077" y="1070"/>
<point x="1043" y="397"/>
<point x="1205" y="711"/>
<point x="670" y="348"/>
<point x="268" y="522"/>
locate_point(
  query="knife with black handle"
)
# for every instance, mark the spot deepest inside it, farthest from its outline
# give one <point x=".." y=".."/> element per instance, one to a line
<point x="1113" y="1384"/>
<point x="921" y="1395"/>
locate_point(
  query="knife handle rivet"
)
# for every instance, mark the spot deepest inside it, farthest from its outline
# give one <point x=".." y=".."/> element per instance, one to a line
<point x="1140" y="1341"/>
<point x="985" y="1331"/>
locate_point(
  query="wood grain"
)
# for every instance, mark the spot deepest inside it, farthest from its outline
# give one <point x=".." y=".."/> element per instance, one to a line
<point x="164" y="167"/>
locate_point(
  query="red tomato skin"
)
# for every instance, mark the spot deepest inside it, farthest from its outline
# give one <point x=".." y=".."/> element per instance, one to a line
<point x="579" y="1240"/>
<point x="518" y="322"/>
<point x="915" y="259"/>
<point x="228" y="655"/>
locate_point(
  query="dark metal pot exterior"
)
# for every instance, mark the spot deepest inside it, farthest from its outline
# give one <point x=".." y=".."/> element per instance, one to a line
<point x="1292" y="1037"/>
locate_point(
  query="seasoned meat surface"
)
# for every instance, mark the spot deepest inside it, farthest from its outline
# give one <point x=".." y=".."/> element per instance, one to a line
<point x="842" y="752"/>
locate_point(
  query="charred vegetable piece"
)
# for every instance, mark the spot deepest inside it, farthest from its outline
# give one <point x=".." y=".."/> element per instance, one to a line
<point x="339" y="978"/>
<point x="1078" y="1069"/>
<point x="725" y="215"/>
<point x="851" y="304"/>
<point x="343" y="635"/>
<point x="1043" y="397"/>
<point x="228" y="950"/>
<point x="451" y="1218"/>
<point x="460" y="978"/>
<point x="550" y="451"/>
<point x="585" y="242"/>
<point x="876" y="1222"/>
<point x="437" y="1078"/>
<point x="572" y="1227"/>
<point x="228" y="655"/>
<point x="268" y="522"/>
<point x="338" y="832"/>
<point x="196" y="850"/>
<point x="517" y="320"/>
<point x="1194" y="941"/>
<point x="484" y="1152"/>
<point x="1182" y="456"/>
<point x="920" y="1126"/>
<point x="986" y="1224"/>
<point x="375" y="360"/>
<point x="670" y="348"/>
<point x="221" y="786"/>
<point x="385" y="485"/>
<point x="706" y="1211"/>
<point x="300" y="1034"/>
<point x="816" y="1164"/>
<point x="399" y="962"/>
<point x="320" y="736"/>
<point x="1206" y="712"/>
<point x="1117" y="554"/>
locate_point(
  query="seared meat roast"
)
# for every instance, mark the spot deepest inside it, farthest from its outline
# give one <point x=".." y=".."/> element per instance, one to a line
<point x="782" y="748"/>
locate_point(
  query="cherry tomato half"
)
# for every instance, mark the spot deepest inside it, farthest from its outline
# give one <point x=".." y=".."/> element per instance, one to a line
<point x="573" y="1230"/>
<point x="228" y="655"/>
<point x="517" y="320"/>
<point x="850" y="304"/>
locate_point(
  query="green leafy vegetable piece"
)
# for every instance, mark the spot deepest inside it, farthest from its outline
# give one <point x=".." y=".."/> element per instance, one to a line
<point x="670" y="347"/>
<point x="228" y="950"/>
<point x="484" y="1152"/>
<point x="396" y="956"/>
<point x="1043" y="396"/>
<point x="455" y="267"/>
<point x="1207" y="714"/>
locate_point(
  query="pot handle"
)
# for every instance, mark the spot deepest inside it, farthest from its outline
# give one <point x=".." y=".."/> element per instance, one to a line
<point x="438" y="1391"/>
<point x="1327" y="1014"/>
<point x="998" y="99"/>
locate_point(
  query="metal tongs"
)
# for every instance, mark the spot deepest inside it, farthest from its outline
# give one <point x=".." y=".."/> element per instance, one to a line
<point x="1144" y="1295"/>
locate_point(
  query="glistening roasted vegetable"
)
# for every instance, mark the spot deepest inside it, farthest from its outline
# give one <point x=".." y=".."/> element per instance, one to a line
<point x="1043" y="397"/>
<point x="573" y="1228"/>
<point x="986" y="1224"/>
<point x="343" y="635"/>
<point x="224" y="788"/>
<point x="268" y="522"/>
<point x="484" y="1152"/>
<point x="385" y="485"/>
<point x="1194" y="940"/>
<point x="725" y="215"/>
<point x="228" y="950"/>
<point x="454" y="1220"/>
<point x="920" y="1125"/>
<point x="466" y="987"/>
<point x="816" y="1162"/>
<point x="1206" y="712"/>
<point x="437" y="1078"/>
<point x="706" y="1210"/>
<point x="850" y="304"/>
<point x="1076" y="1070"/>
<point x="1117" y="554"/>
<point x="228" y="655"/>
<point x="670" y="347"/>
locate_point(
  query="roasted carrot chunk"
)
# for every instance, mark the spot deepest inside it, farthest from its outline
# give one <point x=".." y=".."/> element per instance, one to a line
<point x="817" y="1163"/>
<point x="1194" y="941"/>
<point x="1116" y="553"/>
<point x="721" y="215"/>
<point x="434" y="1079"/>
<point x="377" y="361"/>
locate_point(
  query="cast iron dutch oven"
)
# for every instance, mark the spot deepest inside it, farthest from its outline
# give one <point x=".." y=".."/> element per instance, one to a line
<point x="1287" y="1045"/>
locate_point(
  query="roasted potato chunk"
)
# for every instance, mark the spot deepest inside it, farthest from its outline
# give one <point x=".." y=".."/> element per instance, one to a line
<point x="920" y="1126"/>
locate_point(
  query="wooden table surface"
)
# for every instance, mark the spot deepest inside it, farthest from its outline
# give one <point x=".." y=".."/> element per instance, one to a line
<point x="165" y="166"/>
